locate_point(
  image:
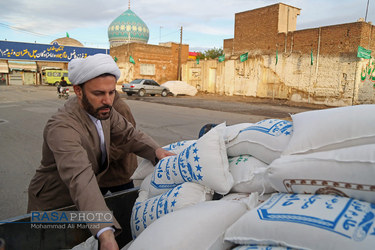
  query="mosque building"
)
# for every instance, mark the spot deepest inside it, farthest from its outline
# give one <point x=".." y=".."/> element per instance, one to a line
<point x="128" y="35"/>
<point x="126" y="28"/>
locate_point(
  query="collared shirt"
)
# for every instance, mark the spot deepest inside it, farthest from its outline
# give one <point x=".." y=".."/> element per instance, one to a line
<point x="99" y="128"/>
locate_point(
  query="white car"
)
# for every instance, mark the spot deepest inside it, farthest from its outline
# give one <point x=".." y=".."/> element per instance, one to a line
<point x="144" y="87"/>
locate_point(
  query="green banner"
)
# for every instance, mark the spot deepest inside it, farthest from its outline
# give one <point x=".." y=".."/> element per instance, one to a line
<point x="312" y="58"/>
<point x="363" y="53"/>
<point x="197" y="60"/>
<point x="243" y="57"/>
<point x="221" y="58"/>
<point x="131" y="59"/>
<point x="277" y="57"/>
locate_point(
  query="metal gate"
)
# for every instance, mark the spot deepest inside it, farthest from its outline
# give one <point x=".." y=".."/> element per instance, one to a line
<point x="15" y="77"/>
<point x="29" y="78"/>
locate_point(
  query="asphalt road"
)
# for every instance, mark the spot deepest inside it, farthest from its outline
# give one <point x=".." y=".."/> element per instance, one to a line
<point x="24" y="110"/>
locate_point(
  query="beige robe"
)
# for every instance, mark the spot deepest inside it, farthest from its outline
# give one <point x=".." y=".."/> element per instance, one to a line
<point x="71" y="156"/>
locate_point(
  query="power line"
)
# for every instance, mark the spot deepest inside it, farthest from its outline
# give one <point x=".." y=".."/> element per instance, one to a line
<point x="44" y="35"/>
<point x="23" y="30"/>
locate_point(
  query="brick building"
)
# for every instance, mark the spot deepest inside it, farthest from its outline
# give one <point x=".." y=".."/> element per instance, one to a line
<point x="318" y="65"/>
<point x="128" y="36"/>
<point x="157" y="62"/>
<point x="265" y="30"/>
<point x="25" y="63"/>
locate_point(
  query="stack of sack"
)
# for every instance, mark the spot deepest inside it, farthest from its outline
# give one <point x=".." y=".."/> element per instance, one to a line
<point x="315" y="176"/>
<point x="332" y="151"/>
<point x="308" y="183"/>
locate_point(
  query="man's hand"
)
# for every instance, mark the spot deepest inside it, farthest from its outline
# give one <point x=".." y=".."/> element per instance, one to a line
<point x="107" y="241"/>
<point x="161" y="153"/>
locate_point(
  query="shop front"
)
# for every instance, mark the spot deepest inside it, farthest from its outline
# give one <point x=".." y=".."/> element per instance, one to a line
<point x="22" y="73"/>
<point x="4" y="70"/>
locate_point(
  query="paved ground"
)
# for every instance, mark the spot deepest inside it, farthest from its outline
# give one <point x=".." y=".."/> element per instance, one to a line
<point x="236" y="104"/>
<point x="24" y="111"/>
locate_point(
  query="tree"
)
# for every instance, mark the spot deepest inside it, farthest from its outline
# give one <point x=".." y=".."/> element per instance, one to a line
<point x="213" y="53"/>
<point x="210" y="53"/>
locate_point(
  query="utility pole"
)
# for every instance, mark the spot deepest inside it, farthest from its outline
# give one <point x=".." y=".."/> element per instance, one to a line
<point x="160" y="34"/>
<point x="368" y="1"/>
<point x="179" y="58"/>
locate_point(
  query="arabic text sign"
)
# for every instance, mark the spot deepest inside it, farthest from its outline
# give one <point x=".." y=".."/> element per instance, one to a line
<point x="44" y="52"/>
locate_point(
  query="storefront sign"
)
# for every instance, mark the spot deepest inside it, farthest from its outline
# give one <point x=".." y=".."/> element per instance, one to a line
<point x="44" y="52"/>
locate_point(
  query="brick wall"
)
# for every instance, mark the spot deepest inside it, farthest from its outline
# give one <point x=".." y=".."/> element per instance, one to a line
<point x="228" y="46"/>
<point x="164" y="57"/>
<point x="257" y="30"/>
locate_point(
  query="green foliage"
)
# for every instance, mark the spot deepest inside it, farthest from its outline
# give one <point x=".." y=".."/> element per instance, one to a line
<point x="210" y="53"/>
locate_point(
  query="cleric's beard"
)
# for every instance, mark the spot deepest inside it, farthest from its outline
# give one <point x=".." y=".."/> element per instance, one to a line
<point x="95" y="112"/>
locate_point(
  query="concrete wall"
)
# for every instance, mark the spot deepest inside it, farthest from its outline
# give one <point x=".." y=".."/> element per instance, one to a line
<point x="336" y="76"/>
<point x="334" y="81"/>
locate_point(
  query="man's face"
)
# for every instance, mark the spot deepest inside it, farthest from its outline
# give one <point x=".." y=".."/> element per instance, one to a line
<point x="97" y="96"/>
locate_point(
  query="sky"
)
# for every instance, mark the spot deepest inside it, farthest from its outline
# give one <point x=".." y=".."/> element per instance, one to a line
<point x="205" y="23"/>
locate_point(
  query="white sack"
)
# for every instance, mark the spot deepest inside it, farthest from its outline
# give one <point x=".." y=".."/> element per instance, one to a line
<point x="261" y="247"/>
<point x="180" y="88"/>
<point x="249" y="175"/>
<point x="232" y="131"/>
<point x="253" y="200"/>
<point x="144" y="189"/>
<point x="90" y="244"/>
<point x="126" y="247"/>
<point x="334" y="128"/>
<point x="145" y="166"/>
<point x="347" y="172"/>
<point x="201" y="226"/>
<point x="265" y="140"/>
<point x="186" y="194"/>
<point x="204" y="162"/>
<point x="307" y="221"/>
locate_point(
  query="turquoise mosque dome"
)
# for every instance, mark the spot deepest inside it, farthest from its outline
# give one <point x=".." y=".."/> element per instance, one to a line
<point x="127" y="27"/>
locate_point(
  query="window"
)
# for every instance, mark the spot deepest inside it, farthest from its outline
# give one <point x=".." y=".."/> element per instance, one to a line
<point x="153" y="83"/>
<point x="147" y="69"/>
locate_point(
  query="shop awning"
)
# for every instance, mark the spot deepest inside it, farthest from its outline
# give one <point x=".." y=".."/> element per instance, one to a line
<point x="47" y="67"/>
<point x="22" y="65"/>
<point x="4" y="67"/>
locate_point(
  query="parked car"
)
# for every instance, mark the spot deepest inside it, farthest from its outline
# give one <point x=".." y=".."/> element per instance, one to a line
<point x="144" y="87"/>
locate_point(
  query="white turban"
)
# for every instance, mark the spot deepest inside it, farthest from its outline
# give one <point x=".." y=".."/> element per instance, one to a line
<point x="81" y="70"/>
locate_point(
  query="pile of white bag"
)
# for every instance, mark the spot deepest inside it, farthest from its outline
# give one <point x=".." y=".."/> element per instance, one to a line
<point x="305" y="184"/>
<point x="180" y="88"/>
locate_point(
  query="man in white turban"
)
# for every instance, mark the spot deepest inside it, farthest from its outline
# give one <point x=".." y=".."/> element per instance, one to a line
<point x="76" y="145"/>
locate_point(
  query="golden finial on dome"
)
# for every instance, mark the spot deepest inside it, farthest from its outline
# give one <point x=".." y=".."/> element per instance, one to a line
<point x="129" y="5"/>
